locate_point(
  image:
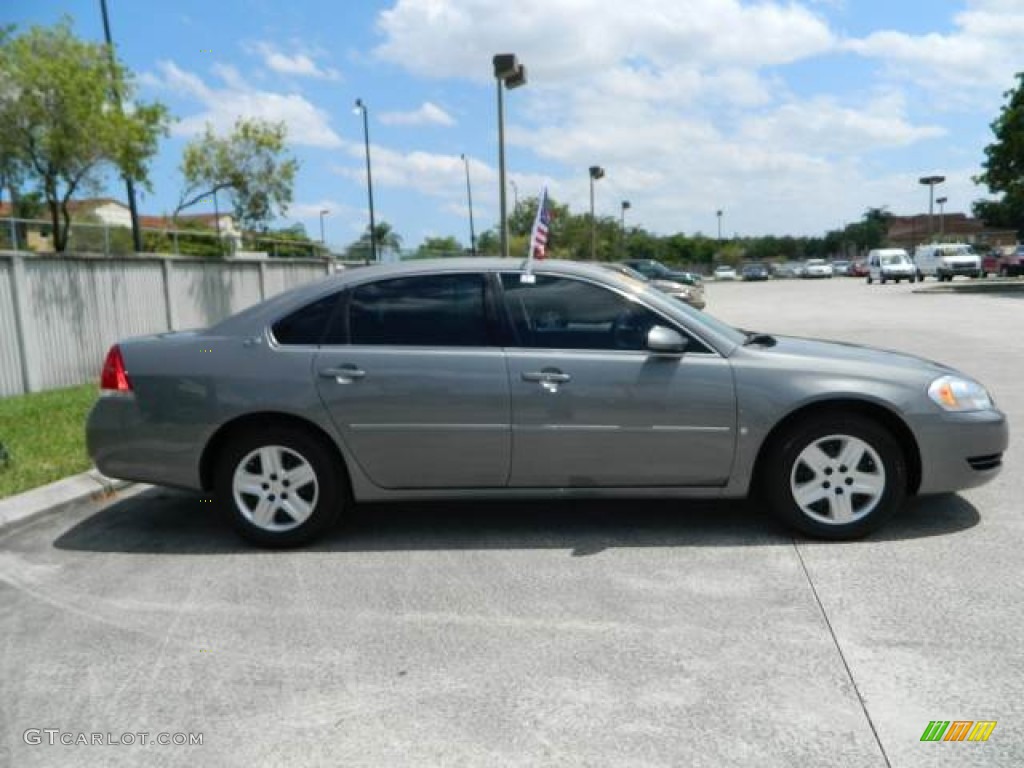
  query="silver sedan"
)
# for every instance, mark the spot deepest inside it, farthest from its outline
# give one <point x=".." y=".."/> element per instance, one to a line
<point x="477" y="378"/>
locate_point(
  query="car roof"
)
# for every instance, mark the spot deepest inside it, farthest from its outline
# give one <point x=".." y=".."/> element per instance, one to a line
<point x="260" y="316"/>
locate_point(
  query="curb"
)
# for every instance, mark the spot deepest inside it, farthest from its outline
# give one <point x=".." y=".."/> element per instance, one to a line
<point x="58" y="496"/>
<point x="991" y="285"/>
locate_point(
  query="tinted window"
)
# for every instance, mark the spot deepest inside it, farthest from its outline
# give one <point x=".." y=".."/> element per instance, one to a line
<point x="306" y="325"/>
<point x="434" y="310"/>
<point x="562" y="313"/>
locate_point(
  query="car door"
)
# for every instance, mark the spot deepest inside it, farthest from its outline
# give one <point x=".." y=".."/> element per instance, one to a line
<point x="592" y="407"/>
<point x="419" y="390"/>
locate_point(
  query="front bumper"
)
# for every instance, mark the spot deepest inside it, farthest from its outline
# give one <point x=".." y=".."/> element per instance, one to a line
<point x="970" y="270"/>
<point x="961" y="450"/>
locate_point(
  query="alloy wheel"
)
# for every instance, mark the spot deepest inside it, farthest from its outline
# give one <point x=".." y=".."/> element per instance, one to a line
<point x="837" y="479"/>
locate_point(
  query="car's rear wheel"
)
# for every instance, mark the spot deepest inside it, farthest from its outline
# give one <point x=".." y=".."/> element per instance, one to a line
<point x="870" y="281"/>
<point x="279" y="486"/>
<point x="836" y="477"/>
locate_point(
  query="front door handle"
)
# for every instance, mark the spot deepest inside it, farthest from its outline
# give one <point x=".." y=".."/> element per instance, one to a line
<point x="549" y="378"/>
<point x="553" y="377"/>
<point x="344" y="374"/>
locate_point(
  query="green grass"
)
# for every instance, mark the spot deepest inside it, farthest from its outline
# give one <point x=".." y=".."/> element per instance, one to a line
<point x="44" y="436"/>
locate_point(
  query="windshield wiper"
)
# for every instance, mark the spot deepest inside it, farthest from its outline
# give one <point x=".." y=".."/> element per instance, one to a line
<point x="762" y="339"/>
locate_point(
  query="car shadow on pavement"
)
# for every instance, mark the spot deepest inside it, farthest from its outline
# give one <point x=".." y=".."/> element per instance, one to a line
<point x="164" y="521"/>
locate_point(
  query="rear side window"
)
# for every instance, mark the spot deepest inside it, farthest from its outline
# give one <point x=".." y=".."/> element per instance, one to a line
<point x="306" y="325"/>
<point x="428" y="310"/>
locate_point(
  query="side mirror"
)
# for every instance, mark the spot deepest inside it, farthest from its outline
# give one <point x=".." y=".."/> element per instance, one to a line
<point x="665" y="341"/>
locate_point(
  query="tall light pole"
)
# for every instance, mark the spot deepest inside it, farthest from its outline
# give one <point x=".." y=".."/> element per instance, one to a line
<point x="508" y="73"/>
<point x="361" y="108"/>
<point x="931" y="181"/>
<point x="469" y="196"/>
<point x="596" y="172"/>
<point x="515" y="196"/>
<point x="128" y="183"/>
<point x="942" y="215"/>
<point x="719" y="214"/>
<point x="622" y="225"/>
<point x="323" y="213"/>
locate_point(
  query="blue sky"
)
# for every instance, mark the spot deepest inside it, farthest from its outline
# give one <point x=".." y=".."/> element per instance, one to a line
<point x="790" y="117"/>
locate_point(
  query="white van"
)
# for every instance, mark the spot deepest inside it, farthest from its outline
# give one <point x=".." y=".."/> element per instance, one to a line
<point x="890" y="264"/>
<point x="944" y="261"/>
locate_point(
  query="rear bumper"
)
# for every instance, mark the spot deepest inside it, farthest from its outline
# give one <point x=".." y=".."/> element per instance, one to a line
<point x="961" y="450"/>
<point x="125" y="446"/>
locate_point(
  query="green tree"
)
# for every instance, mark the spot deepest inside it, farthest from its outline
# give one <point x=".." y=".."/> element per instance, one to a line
<point x="291" y="242"/>
<point x="1003" y="166"/>
<point x="251" y="165"/>
<point x="439" y="247"/>
<point x="61" y="129"/>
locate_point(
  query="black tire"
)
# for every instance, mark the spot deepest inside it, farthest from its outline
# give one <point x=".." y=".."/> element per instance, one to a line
<point x="882" y="279"/>
<point x="870" y="281"/>
<point x="324" y="495"/>
<point x="783" y="468"/>
<point x="912" y="279"/>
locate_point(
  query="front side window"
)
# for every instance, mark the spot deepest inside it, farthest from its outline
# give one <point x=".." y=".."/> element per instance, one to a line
<point x="563" y="313"/>
<point x="424" y="310"/>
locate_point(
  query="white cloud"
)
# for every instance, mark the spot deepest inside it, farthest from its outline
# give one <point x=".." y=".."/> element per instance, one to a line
<point x="307" y="124"/>
<point x="561" y="39"/>
<point x="822" y="126"/>
<point x="297" y="64"/>
<point x="983" y="50"/>
<point x="428" y="114"/>
<point x="433" y="174"/>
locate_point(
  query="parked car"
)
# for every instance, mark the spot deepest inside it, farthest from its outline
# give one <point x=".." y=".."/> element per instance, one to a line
<point x="1005" y="263"/>
<point x="691" y="294"/>
<point x="657" y="271"/>
<point x="787" y="269"/>
<point x="859" y="268"/>
<point x="886" y="264"/>
<point x="944" y="261"/>
<point x="816" y="268"/>
<point x="724" y="272"/>
<point x="466" y="378"/>
<point x="841" y="267"/>
<point x="755" y="271"/>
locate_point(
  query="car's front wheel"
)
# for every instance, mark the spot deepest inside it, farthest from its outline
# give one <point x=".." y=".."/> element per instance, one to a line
<point x="836" y="477"/>
<point x="279" y="486"/>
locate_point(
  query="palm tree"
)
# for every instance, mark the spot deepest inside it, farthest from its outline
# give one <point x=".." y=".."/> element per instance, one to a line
<point x="386" y="240"/>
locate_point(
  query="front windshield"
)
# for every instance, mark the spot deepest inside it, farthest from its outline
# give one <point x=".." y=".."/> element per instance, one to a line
<point x="893" y="259"/>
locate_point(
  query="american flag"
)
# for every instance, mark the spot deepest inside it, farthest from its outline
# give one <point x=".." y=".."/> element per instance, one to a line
<point x="541" y="226"/>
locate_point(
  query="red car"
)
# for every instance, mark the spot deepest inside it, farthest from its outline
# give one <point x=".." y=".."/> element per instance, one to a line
<point x="859" y="268"/>
<point x="1004" y="264"/>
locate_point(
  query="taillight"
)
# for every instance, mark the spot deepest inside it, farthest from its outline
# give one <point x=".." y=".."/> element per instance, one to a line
<point x="114" y="377"/>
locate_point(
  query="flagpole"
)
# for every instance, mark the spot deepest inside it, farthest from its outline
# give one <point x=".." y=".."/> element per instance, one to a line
<point x="532" y="245"/>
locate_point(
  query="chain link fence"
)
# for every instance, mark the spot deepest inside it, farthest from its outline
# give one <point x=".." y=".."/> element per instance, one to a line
<point x="112" y="240"/>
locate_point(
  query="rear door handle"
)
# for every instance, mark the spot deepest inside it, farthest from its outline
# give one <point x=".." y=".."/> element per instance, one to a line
<point x="343" y="374"/>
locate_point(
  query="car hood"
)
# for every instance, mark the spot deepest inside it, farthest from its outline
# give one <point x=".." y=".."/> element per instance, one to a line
<point x="857" y="354"/>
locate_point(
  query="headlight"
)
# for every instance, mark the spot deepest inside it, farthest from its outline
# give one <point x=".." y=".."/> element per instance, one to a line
<point x="952" y="393"/>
